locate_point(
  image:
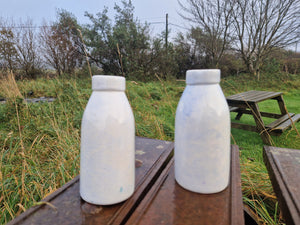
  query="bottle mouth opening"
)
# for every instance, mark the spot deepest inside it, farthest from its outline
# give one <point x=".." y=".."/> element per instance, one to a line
<point x="108" y="83"/>
<point x="207" y="76"/>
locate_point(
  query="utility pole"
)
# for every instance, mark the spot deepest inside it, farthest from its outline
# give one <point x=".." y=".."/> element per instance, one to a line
<point x="166" y="37"/>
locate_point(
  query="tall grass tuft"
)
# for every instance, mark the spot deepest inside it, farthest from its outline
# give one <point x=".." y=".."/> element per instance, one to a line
<point x="258" y="193"/>
<point x="39" y="146"/>
<point x="9" y="87"/>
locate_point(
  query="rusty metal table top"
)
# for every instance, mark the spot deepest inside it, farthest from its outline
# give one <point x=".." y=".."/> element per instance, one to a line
<point x="252" y="96"/>
<point x="154" y="182"/>
<point x="284" y="169"/>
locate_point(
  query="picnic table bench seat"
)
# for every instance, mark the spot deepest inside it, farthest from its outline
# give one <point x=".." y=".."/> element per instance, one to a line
<point x="278" y="126"/>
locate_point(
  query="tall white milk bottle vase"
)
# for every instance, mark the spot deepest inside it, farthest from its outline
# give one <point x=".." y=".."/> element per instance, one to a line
<point x="107" y="162"/>
<point x="202" y="134"/>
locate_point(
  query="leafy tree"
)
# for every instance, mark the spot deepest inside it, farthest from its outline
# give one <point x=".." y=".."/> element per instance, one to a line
<point x="61" y="43"/>
<point x="8" y="52"/>
<point x="163" y="59"/>
<point x="97" y="38"/>
<point x="122" y="48"/>
<point x="186" y="55"/>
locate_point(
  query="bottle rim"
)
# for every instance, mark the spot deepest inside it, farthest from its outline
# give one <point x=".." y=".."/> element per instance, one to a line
<point x="206" y="76"/>
<point x="108" y="83"/>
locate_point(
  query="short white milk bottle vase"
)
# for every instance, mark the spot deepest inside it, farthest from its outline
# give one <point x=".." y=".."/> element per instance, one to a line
<point x="202" y="134"/>
<point x="107" y="158"/>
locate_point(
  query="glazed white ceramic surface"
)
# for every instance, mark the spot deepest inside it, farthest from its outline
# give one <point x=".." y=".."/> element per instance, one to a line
<point x="107" y="163"/>
<point x="202" y="134"/>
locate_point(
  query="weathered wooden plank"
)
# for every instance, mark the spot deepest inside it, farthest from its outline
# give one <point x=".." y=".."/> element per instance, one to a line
<point x="239" y="115"/>
<point x="270" y="115"/>
<point x="284" y="169"/>
<point x="240" y="96"/>
<point x="236" y="188"/>
<point x="245" y="111"/>
<point x="263" y="114"/>
<point x="253" y="96"/>
<point x="265" y="96"/>
<point x="265" y="136"/>
<point x="278" y="130"/>
<point x="279" y="121"/>
<point x="169" y="203"/>
<point x="240" y="105"/>
<point x="244" y="126"/>
<point x="288" y="123"/>
<point x="247" y="94"/>
<point x="281" y="105"/>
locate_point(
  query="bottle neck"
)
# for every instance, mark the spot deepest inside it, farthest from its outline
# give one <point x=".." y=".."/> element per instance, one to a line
<point x="203" y="77"/>
<point x="202" y="84"/>
<point x="108" y="83"/>
<point x="108" y="90"/>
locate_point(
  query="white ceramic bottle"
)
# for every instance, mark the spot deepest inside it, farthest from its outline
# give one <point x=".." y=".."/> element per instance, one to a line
<point x="107" y="163"/>
<point x="202" y="134"/>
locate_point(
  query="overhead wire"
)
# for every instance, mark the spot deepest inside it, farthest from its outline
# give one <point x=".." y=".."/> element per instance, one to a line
<point x="41" y="26"/>
<point x="21" y="27"/>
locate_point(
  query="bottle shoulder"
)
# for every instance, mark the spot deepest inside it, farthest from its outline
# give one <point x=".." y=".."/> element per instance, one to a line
<point x="108" y="98"/>
<point x="198" y="100"/>
<point x="203" y="93"/>
<point x="108" y="103"/>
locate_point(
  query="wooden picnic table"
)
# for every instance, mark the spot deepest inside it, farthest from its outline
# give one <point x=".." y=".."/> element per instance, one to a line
<point x="284" y="170"/>
<point x="157" y="199"/>
<point x="247" y="103"/>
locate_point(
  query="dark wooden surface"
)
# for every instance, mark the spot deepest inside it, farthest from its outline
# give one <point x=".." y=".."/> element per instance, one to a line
<point x="66" y="206"/>
<point x="287" y="123"/>
<point x="279" y="121"/>
<point x="284" y="169"/>
<point x="247" y="103"/>
<point x="169" y="203"/>
<point x="253" y="96"/>
<point x="157" y="198"/>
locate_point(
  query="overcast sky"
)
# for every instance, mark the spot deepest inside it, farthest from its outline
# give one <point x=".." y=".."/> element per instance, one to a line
<point x="152" y="11"/>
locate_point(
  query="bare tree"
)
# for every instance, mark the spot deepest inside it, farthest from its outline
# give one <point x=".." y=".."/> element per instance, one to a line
<point x="213" y="17"/>
<point x="28" y="57"/>
<point x="263" y="25"/>
<point x="49" y="48"/>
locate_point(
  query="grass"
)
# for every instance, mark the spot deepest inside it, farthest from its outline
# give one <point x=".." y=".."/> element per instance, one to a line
<point x="39" y="143"/>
